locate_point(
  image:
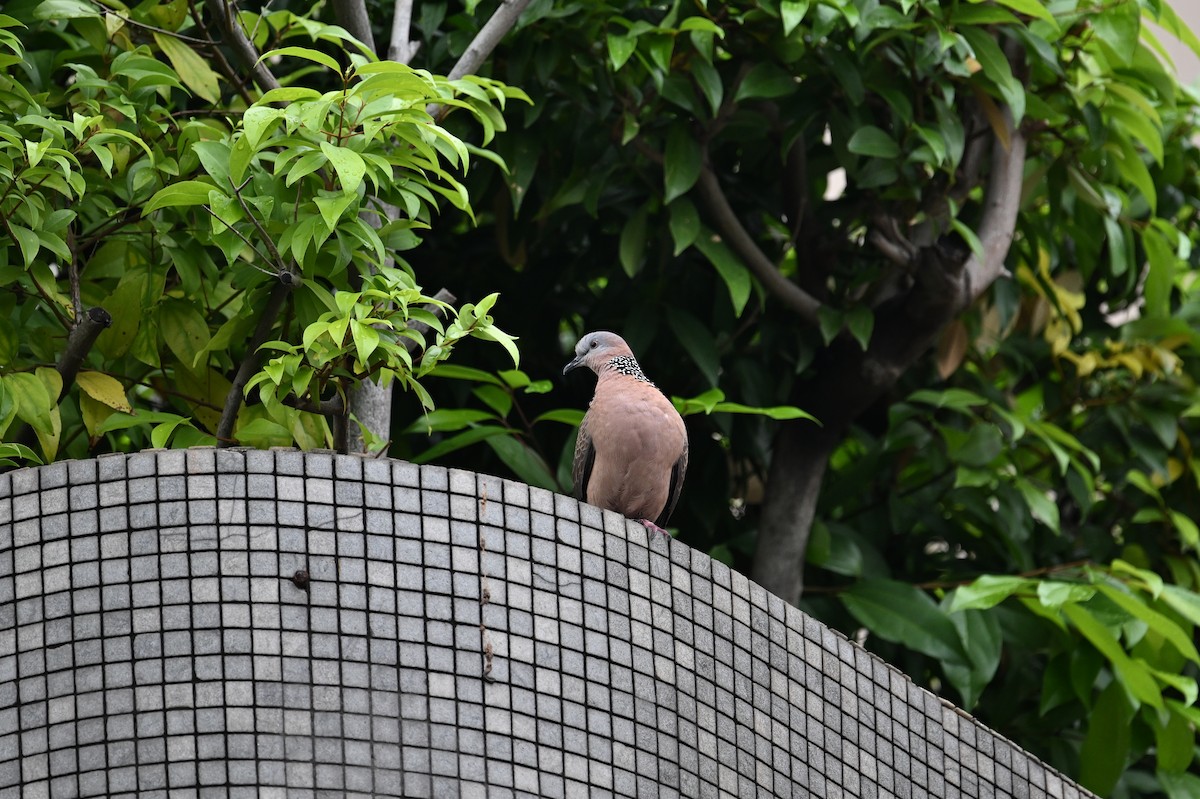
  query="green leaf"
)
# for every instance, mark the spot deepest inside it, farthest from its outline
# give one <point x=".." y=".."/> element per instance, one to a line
<point x="34" y="402"/>
<point x="872" y="141"/>
<point x="28" y="241"/>
<point x="681" y="162"/>
<point x="1156" y="621"/>
<point x="1161" y="276"/>
<point x="698" y="341"/>
<point x="684" y="223"/>
<point x="348" y="164"/>
<point x="183" y="193"/>
<point x="183" y="329"/>
<point x="448" y="419"/>
<point x="1186" y="603"/>
<point x="1174" y="742"/>
<point x="765" y="81"/>
<point x="1030" y="8"/>
<point x="1132" y="673"/>
<point x="316" y="56"/>
<point x="193" y="70"/>
<point x="1118" y="26"/>
<point x="1055" y="593"/>
<point x="464" y="439"/>
<point x="953" y="398"/>
<point x="978" y="446"/>
<point x="1106" y="748"/>
<point x="332" y="208"/>
<point x="996" y="67"/>
<point x="524" y="462"/>
<point x="777" y="412"/>
<point x="860" y="322"/>
<point x="988" y="591"/>
<point x="1043" y="508"/>
<point x="633" y="243"/>
<point x="903" y="614"/>
<point x="834" y="551"/>
<point x="791" y="12"/>
<point x="65" y="9"/>
<point x="123" y="421"/>
<point x="620" y="48"/>
<point x="568" y="416"/>
<point x="729" y="267"/>
<point x="980" y="635"/>
<point x="455" y="372"/>
<point x="366" y="339"/>
<point x="1179" y="786"/>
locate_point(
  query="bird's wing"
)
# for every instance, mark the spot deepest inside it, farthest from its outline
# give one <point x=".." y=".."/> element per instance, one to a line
<point x="585" y="457"/>
<point x="677" y="473"/>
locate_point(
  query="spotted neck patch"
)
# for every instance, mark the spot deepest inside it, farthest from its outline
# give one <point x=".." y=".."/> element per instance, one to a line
<point x="628" y="366"/>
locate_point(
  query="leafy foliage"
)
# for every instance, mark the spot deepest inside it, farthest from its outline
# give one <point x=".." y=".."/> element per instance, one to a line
<point x="140" y="180"/>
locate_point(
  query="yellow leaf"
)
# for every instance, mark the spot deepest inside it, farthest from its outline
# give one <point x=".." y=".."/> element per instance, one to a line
<point x="94" y="413"/>
<point x="104" y="389"/>
<point x="191" y="68"/>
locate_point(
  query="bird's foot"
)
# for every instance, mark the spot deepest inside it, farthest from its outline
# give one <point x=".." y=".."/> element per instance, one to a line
<point x="652" y="527"/>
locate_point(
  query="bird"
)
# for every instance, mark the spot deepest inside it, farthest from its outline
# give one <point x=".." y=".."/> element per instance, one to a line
<point x="632" y="451"/>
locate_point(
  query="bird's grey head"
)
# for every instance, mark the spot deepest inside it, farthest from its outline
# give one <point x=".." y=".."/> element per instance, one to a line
<point x="597" y="349"/>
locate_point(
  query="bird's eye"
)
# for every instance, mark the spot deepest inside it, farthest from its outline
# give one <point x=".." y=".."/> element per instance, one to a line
<point x="592" y="345"/>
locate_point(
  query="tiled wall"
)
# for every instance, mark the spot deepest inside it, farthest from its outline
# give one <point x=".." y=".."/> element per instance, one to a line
<point x="448" y="634"/>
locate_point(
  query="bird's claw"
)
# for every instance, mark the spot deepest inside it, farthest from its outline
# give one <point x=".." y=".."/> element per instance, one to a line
<point x="654" y="528"/>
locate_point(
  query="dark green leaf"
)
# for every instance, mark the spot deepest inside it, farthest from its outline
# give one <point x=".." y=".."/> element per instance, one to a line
<point x="870" y="140"/>
<point x="684" y="223"/>
<point x="905" y="615"/>
<point x="1106" y="747"/>
<point x="730" y="268"/>
<point x="681" y="162"/>
<point x="525" y="463"/>
<point x="765" y="81"/>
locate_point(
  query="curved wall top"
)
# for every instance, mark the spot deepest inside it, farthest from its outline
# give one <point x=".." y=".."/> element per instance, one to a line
<point x="448" y="634"/>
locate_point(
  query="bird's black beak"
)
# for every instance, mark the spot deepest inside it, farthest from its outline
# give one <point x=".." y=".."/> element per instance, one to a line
<point x="574" y="364"/>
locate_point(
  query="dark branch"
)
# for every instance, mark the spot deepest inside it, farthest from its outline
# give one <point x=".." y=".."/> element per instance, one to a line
<point x="243" y="49"/>
<point x="90" y="325"/>
<point x="352" y="15"/>
<point x="233" y="401"/>
<point x="737" y="237"/>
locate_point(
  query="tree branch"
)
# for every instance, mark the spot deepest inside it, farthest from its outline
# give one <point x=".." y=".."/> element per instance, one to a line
<point x="495" y="29"/>
<point x="233" y="400"/>
<point x="737" y="237"/>
<point x="243" y="49"/>
<point x="352" y="15"/>
<point x="1000" y="206"/>
<point x="89" y="325"/>
<point x="402" y="48"/>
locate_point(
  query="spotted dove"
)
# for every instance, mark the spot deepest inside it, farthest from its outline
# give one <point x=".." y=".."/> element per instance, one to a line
<point x="632" y="449"/>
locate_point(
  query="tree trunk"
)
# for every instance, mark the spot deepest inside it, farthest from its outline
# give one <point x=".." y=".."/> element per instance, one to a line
<point x="846" y="381"/>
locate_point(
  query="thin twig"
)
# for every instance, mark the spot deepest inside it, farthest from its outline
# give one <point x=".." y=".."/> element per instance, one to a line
<point x="247" y="241"/>
<point x="130" y="21"/>
<point x="267" y="240"/>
